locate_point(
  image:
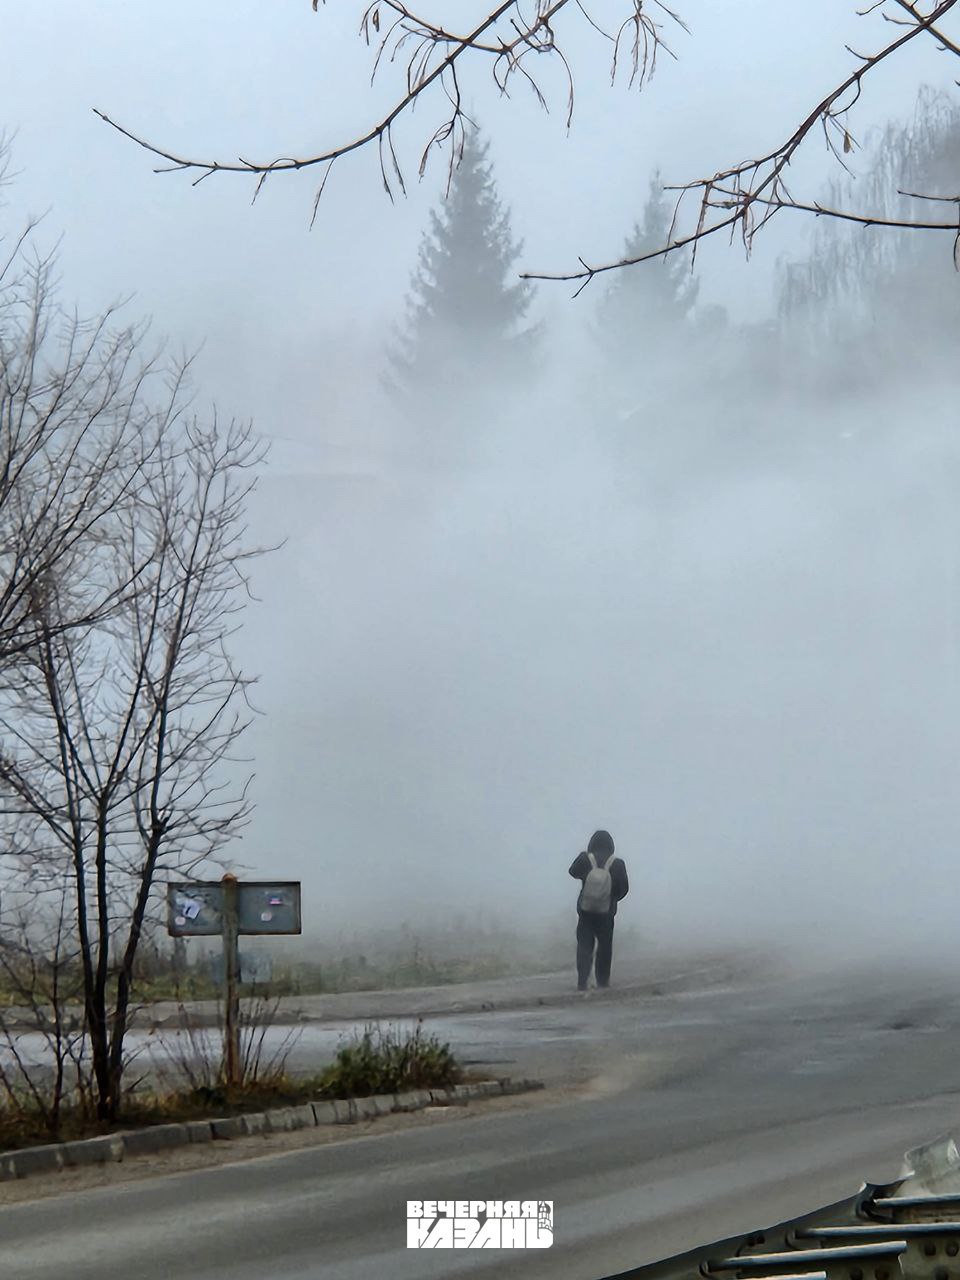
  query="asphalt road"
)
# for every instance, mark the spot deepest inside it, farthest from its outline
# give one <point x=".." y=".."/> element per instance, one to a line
<point x="708" y="1114"/>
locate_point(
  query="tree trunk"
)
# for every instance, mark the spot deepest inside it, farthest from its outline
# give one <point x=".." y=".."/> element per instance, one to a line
<point x="125" y="976"/>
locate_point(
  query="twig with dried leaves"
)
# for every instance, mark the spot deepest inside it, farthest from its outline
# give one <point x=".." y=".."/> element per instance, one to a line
<point x="739" y="199"/>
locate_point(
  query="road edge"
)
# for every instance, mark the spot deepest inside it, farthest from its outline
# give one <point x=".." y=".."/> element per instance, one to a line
<point x="112" y="1148"/>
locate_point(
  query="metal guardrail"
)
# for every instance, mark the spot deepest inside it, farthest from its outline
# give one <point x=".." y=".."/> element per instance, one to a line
<point x="881" y="1233"/>
<point x="876" y="1231"/>
<point x="800" y="1275"/>
<point x="917" y="1202"/>
<point x="752" y="1263"/>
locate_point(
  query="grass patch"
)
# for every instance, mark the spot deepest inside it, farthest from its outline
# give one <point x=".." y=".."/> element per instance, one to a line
<point x="206" y="1102"/>
<point x="414" y="968"/>
<point x="378" y="1061"/>
<point x="375" y="1060"/>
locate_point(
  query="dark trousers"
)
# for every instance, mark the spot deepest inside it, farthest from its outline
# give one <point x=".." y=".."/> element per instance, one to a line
<point x="594" y="930"/>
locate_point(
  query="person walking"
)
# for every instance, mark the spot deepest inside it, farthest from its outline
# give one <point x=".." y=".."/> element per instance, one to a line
<point x="604" y="883"/>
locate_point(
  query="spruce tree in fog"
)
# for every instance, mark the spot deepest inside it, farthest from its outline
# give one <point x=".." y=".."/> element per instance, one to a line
<point x="464" y="323"/>
<point x="648" y="308"/>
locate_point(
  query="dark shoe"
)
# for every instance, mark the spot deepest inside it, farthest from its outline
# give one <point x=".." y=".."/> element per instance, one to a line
<point x="581" y="986"/>
<point x="603" y="986"/>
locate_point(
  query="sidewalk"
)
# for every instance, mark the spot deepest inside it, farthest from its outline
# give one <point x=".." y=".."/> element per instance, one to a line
<point x="654" y="975"/>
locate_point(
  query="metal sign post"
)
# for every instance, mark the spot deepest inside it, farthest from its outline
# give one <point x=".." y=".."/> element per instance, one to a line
<point x="231" y="973"/>
<point x="231" y="907"/>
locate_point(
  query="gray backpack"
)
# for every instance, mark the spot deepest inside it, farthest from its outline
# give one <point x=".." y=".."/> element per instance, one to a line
<point x="597" y="887"/>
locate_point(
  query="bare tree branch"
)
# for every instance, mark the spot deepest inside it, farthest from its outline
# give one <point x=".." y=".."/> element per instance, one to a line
<point x="432" y="54"/>
<point x="744" y="198"/>
<point x="740" y="199"/>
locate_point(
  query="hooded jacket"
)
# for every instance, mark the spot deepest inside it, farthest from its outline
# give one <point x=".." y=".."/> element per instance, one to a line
<point x="602" y="847"/>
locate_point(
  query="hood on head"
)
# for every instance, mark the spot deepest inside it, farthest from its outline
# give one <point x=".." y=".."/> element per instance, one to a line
<point x="600" y="842"/>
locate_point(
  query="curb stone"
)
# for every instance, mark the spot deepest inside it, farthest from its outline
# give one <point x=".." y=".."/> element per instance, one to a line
<point x="114" y="1147"/>
<point x="419" y="1099"/>
<point x="303" y="1116"/>
<point x="287" y="1119"/>
<point x="229" y="1126"/>
<point x="87" y="1151"/>
<point x="487" y="1088"/>
<point x="255" y="1122"/>
<point x="158" y="1137"/>
<point x="279" y="1120"/>
<point x="520" y="1086"/>
<point x="30" y="1160"/>
<point x="324" y="1113"/>
<point x="344" y="1111"/>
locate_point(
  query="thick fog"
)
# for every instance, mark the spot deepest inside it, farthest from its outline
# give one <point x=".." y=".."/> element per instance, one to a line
<point x="718" y="618"/>
<point x="745" y="670"/>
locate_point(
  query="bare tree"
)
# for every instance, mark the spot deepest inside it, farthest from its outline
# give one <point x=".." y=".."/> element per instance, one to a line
<point x="117" y="740"/>
<point x="514" y="40"/>
<point x="75" y="395"/>
<point x="40" y="974"/>
<point x="846" y="279"/>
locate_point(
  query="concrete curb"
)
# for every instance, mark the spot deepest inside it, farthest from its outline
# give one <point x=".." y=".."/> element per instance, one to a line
<point x="113" y="1147"/>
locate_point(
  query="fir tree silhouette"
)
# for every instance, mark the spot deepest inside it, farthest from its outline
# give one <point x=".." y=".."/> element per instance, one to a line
<point x="648" y="304"/>
<point x="464" y="323"/>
